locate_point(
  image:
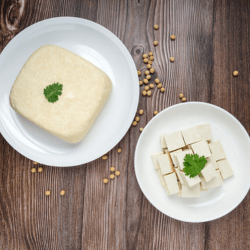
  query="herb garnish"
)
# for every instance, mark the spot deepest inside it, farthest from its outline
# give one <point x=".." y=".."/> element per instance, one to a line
<point x="52" y="92"/>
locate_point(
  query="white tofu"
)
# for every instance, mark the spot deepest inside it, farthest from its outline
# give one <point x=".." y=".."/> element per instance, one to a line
<point x="163" y="183"/>
<point x="165" y="164"/>
<point x="208" y="172"/>
<point x="217" y="150"/>
<point x="190" y="181"/>
<point x="172" y="184"/>
<point x="154" y="159"/>
<point x="180" y="178"/>
<point x="202" y="189"/>
<point x="193" y="191"/>
<point x="201" y="148"/>
<point x="205" y="132"/>
<point x="180" y="191"/>
<point x="215" y="182"/>
<point x="172" y="154"/>
<point x="163" y="142"/>
<point x="225" y="169"/>
<point x="174" y="141"/>
<point x="212" y="160"/>
<point x="166" y="188"/>
<point x="191" y="135"/>
<point x="180" y="158"/>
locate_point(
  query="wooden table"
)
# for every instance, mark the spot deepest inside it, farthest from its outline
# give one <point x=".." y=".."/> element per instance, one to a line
<point x="212" y="40"/>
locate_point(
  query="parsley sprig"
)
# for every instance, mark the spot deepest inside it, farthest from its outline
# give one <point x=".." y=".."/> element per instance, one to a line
<point x="52" y="92"/>
<point x="194" y="164"/>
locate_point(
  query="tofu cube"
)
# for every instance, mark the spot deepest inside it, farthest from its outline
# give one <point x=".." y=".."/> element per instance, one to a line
<point x="191" y="135"/>
<point x="215" y="182"/>
<point x="208" y="172"/>
<point x="173" y="154"/>
<point x="217" y="150"/>
<point x="225" y="169"/>
<point x="180" y="191"/>
<point x="201" y="148"/>
<point x="174" y="141"/>
<point x="154" y="159"/>
<point x="212" y="160"/>
<point x="166" y="188"/>
<point x="180" y="178"/>
<point x="180" y="158"/>
<point x="163" y="183"/>
<point x="165" y="164"/>
<point x="163" y="142"/>
<point x="202" y="189"/>
<point x="190" y="181"/>
<point x="205" y="132"/>
<point x="172" y="183"/>
<point x="193" y="191"/>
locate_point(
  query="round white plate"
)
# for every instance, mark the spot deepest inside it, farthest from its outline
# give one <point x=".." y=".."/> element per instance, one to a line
<point x="216" y="202"/>
<point x="96" y="44"/>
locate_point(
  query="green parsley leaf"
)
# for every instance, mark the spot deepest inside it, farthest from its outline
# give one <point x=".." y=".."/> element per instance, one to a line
<point x="193" y="165"/>
<point x="52" y="92"/>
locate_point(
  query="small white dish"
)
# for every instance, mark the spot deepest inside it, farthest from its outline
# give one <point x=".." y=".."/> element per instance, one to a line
<point x="216" y="202"/>
<point x="94" y="43"/>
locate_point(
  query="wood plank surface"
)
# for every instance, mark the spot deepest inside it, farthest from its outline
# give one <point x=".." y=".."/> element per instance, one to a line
<point x="212" y="40"/>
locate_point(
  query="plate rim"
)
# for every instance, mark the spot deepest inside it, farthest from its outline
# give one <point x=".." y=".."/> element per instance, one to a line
<point x="136" y="152"/>
<point x="131" y="65"/>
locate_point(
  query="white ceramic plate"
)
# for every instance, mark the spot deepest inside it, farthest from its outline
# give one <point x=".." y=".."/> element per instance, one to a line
<point x="216" y="202"/>
<point x="103" y="49"/>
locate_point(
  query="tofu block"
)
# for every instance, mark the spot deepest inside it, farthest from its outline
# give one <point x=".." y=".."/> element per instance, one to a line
<point x="180" y="158"/>
<point x="212" y="160"/>
<point x="154" y="159"/>
<point x="166" y="188"/>
<point x="173" y="154"/>
<point x="215" y="182"/>
<point x="172" y="183"/>
<point x="165" y="164"/>
<point x="179" y="194"/>
<point x="202" y="189"/>
<point x="174" y="141"/>
<point x="217" y="150"/>
<point x="225" y="169"/>
<point x="163" y="142"/>
<point x="180" y="178"/>
<point x="208" y="172"/>
<point x="205" y="132"/>
<point x="191" y="135"/>
<point x="163" y="183"/>
<point x="190" y="181"/>
<point x="193" y="191"/>
<point x="201" y="148"/>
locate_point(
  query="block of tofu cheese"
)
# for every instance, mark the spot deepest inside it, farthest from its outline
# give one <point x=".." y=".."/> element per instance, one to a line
<point x="174" y="141"/>
<point x="191" y="135"/>
<point x="208" y="172"/>
<point x="180" y="178"/>
<point x="205" y="132"/>
<point x="85" y="90"/>
<point x="163" y="142"/>
<point x="172" y="183"/>
<point x="202" y="189"/>
<point x="212" y="160"/>
<point x="163" y="183"/>
<point x="165" y="164"/>
<point x="225" y="169"/>
<point x="215" y="182"/>
<point x="193" y="191"/>
<point x="154" y="159"/>
<point x="173" y="154"/>
<point x="180" y="158"/>
<point x="190" y="181"/>
<point x="201" y="148"/>
<point x="217" y="150"/>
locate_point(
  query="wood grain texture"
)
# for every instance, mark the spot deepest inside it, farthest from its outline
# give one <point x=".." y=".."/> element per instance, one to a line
<point x="212" y="40"/>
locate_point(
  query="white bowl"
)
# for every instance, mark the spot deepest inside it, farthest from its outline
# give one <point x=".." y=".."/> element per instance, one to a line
<point x="216" y="202"/>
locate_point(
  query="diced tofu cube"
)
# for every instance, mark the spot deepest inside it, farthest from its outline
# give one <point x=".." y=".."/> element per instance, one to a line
<point x="202" y="189"/>
<point x="174" y="141"/>
<point x="190" y="181"/>
<point x="163" y="183"/>
<point x="191" y="135"/>
<point x="166" y="188"/>
<point x="208" y="172"/>
<point x="217" y="150"/>
<point x="193" y="191"/>
<point x="154" y="159"/>
<point x="201" y="148"/>
<point x="172" y="184"/>
<point x="180" y="158"/>
<point x="212" y="160"/>
<point x="179" y="193"/>
<point x="174" y="160"/>
<point x="205" y="132"/>
<point x="180" y="178"/>
<point x="225" y="169"/>
<point x="215" y="182"/>
<point x="163" y="142"/>
<point x="165" y="164"/>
